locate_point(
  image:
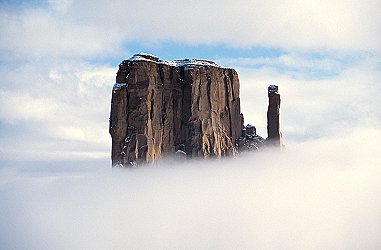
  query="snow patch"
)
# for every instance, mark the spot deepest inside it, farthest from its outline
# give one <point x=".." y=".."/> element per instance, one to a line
<point x="119" y="86"/>
<point x="144" y="57"/>
<point x="181" y="152"/>
<point x="273" y="89"/>
<point x="174" y="63"/>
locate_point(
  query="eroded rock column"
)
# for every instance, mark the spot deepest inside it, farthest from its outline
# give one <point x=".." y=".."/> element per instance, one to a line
<point x="274" y="136"/>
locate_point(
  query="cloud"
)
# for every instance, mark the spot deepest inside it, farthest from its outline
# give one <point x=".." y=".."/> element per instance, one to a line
<point x="320" y="194"/>
<point x="313" y="105"/>
<point x="94" y="28"/>
<point x="291" y="24"/>
<point x="24" y="107"/>
<point x="55" y="110"/>
<point x="31" y="33"/>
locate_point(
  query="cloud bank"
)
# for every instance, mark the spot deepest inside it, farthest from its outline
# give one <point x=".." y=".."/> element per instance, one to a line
<point x="316" y="195"/>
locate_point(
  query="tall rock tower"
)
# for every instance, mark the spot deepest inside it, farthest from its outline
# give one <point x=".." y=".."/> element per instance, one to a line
<point x="274" y="136"/>
<point x="162" y="107"/>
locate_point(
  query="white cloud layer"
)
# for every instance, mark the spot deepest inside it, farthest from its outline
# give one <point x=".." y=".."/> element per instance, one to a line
<point x="323" y="194"/>
<point x="90" y="28"/>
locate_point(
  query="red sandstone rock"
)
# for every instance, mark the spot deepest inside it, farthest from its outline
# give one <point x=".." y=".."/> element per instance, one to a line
<point x="160" y="107"/>
<point x="274" y="136"/>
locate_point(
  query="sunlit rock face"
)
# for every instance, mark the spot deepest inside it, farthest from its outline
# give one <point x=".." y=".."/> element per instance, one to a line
<point x="186" y="106"/>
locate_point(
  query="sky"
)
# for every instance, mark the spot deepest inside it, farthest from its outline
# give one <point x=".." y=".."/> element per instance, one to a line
<point x="58" y="61"/>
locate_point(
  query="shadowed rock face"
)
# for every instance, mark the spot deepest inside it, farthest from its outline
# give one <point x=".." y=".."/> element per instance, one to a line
<point x="274" y="137"/>
<point x="163" y="107"/>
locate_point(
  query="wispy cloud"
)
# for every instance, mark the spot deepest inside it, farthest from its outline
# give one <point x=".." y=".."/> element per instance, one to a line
<point x="321" y="97"/>
<point x="55" y="107"/>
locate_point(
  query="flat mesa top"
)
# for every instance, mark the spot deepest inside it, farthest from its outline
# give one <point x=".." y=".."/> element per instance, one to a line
<point x="174" y="63"/>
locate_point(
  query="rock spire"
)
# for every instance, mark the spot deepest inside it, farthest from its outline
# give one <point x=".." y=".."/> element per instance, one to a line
<point x="274" y="136"/>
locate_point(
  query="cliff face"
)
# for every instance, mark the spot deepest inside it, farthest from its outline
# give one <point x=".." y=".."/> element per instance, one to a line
<point x="163" y="107"/>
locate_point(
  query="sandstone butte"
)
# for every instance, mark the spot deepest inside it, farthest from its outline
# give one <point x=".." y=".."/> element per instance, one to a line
<point x="183" y="108"/>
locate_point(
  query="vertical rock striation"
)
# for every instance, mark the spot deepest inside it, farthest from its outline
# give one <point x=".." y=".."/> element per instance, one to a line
<point x="274" y="136"/>
<point x="162" y="107"/>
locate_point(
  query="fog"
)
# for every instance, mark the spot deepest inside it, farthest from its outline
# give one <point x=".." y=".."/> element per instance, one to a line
<point x="324" y="194"/>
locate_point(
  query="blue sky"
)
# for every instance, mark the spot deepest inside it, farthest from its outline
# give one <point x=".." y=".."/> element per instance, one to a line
<point x="58" y="61"/>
